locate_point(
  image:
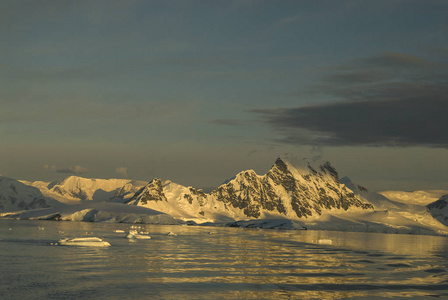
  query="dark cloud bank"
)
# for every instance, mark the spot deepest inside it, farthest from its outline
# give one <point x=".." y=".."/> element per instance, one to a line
<point x="392" y="99"/>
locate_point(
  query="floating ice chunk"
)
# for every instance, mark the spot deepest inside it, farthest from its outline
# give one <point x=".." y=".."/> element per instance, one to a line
<point x="133" y="234"/>
<point x="40" y="228"/>
<point x="87" y="242"/>
<point x="324" y="242"/>
<point x="171" y="234"/>
<point x="144" y="232"/>
<point x="142" y="237"/>
<point x="119" y="231"/>
<point x="10" y="228"/>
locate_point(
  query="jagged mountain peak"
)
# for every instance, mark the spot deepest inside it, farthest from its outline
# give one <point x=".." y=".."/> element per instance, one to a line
<point x="245" y="176"/>
<point x="153" y="191"/>
<point x="289" y="189"/>
<point x="303" y="165"/>
<point x="304" y="169"/>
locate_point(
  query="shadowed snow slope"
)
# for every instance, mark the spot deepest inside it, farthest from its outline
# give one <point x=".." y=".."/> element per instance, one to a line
<point x="15" y="195"/>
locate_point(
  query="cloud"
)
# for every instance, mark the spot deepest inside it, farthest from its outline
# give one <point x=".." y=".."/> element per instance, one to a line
<point x="392" y="99"/>
<point x="73" y="170"/>
<point x="50" y="168"/>
<point x="122" y="171"/>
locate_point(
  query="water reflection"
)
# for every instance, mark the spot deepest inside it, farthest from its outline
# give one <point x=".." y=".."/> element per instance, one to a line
<point x="231" y="263"/>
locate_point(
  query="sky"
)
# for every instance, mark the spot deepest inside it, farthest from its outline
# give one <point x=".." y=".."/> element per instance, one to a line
<point x="197" y="91"/>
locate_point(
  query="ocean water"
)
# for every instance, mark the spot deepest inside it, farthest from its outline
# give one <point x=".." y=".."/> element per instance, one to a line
<point x="217" y="263"/>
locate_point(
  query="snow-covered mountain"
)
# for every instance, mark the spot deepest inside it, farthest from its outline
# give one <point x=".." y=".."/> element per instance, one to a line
<point x="182" y="202"/>
<point x="291" y="189"/>
<point x="377" y="200"/>
<point x="15" y="196"/>
<point x="294" y="194"/>
<point x="414" y="197"/>
<point x="75" y="189"/>
<point x="76" y="199"/>
<point x="407" y="218"/>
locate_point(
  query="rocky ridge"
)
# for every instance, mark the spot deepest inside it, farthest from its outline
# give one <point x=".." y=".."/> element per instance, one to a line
<point x="288" y="189"/>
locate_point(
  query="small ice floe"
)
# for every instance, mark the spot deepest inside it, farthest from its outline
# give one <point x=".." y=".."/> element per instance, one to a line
<point x="324" y="242"/>
<point x="210" y="233"/>
<point x="133" y="234"/>
<point x="40" y="228"/>
<point x="144" y="232"/>
<point x="119" y="231"/>
<point x="10" y="228"/>
<point x="86" y="242"/>
<point x="171" y="233"/>
<point x="60" y="231"/>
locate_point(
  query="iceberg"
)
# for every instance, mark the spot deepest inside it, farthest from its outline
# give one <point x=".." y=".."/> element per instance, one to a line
<point x="133" y="234"/>
<point x="324" y="242"/>
<point x="86" y="242"/>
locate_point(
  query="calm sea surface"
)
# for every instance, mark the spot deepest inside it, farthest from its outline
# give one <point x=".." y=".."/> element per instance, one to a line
<point x="217" y="263"/>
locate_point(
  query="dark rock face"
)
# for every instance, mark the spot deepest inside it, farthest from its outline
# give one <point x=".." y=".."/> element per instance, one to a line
<point x="153" y="191"/>
<point x="197" y="195"/>
<point x="307" y="192"/>
<point x="439" y="204"/>
<point x="439" y="210"/>
<point x="249" y="192"/>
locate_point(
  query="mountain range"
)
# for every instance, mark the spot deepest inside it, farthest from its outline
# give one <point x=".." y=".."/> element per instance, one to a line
<point x="296" y="194"/>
